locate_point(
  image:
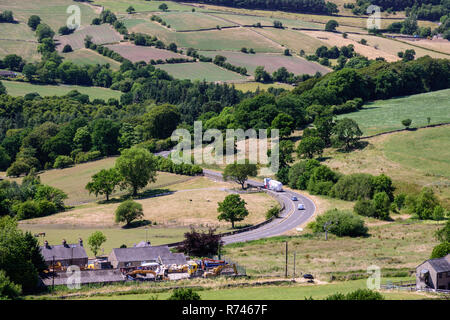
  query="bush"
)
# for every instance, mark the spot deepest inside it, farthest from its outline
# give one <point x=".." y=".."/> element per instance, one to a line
<point x="201" y="244"/>
<point x="46" y="208"/>
<point x="8" y="289"/>
<point x="62" y="162"/>
<point x="184" y="294"/>
<point x="359" y="294"/>
<point x="87" y="156"/>
<point x="344" y="223"/>
<point x="26" y="210"/>
<point x="441" y="250"/>
<point x="18" y="168"/>
<point x="353" y="187"/>
<point x="272" y="213"/>
<point x="128" y="211"/>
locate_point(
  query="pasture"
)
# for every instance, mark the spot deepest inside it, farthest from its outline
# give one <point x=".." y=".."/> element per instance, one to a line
<point x="85" y="56"/>
<point x="181" y="21"/>
<point x="254" y="86"/>
<point x="15" y="88"/>
<point x="101" y="34"/>
<point x="386" y="115"/>
<point x="120" y="6"/>
<point x="52" y="12"/>
<point x="271" y="62"/>
<point x="25" y="49"/>
<point x="140" y="53"/>
<point x="200" y="71"/>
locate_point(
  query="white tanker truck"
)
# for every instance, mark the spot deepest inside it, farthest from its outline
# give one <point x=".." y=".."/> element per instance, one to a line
<point x="273" y="185"/>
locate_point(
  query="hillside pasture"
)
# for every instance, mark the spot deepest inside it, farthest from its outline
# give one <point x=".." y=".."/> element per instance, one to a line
<point x="100" y="34"/>
<point x="140" y="53"/>
<point x="120" y="6"/>
<point x="254" y="86"/>
<point x="292" y="39"/>
<point x="85" y="56"/>
<point x="201" y="71"/>
<point x="25" y="49"/>
<point x="386" y="115"/>
<point x="181" y="21"/>
<point x="271" y="62"/>
<point x="16" y="88"/>
<point x="52" y="12"/>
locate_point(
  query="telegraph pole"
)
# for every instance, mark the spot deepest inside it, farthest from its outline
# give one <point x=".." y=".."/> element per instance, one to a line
<point x="286" y="265"/>
<point x="53" y="274"/>
<point x="294" y="265"/>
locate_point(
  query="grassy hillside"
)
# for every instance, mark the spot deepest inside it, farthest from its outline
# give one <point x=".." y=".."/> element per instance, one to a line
<point x="15" y="88"/>
<point x="386" y="115"/>
<point x="200" y="71"/>
<point x="86" y="56"/>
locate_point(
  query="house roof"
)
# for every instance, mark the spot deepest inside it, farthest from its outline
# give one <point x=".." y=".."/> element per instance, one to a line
<point x="141" y="253"/>
<point x="440" y="264"/>
<point x="86" y="276"/>
<point x="174" y="258"/>
<point x="61" y="252"/>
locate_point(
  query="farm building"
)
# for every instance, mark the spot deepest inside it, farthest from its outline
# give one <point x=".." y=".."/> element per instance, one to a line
<point x="136" y="256"/>
<point x="434" y="274"/>
<point x="7" y="74"/>
<point x="66" y="254"/>
<point x="85" y="277"/>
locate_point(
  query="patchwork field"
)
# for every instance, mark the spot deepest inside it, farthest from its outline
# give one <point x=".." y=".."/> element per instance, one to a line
<point x="15" y="88"/>
<point x="120" y="6"/>
<point x="100" y="35"/>
<point x="52" y="12"/>
<point x="386" y="115"/>
<point x="193" y="21"/>
<point x="292" y="39"/>
<point x="271" y="62"/>
<point x="141" y="53"/>
<point x="200" y="71"/>
<point x="86" y="56"/>
<point x="27" y="50"/>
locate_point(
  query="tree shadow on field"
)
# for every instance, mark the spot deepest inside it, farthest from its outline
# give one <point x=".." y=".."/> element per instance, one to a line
<point x="137" y="224"/>
<point x="360" y="145"/>
<point x="152" y="193"/>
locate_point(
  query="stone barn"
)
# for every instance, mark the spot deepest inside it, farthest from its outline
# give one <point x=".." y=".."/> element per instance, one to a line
<point x="434" y="274"/>
<point x="136" y="256"/>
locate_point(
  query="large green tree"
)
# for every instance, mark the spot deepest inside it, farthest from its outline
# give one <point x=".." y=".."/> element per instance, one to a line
<point x="310" y="146"/>
<point x="232" y="209"/>
<point x="95" y="241"/>
<point x="347" y="132"/>
<point x="239" y="172"/>
<point x="161" y="121"/>
<point x="137" y="166"/>
<point x="104" y="182"/>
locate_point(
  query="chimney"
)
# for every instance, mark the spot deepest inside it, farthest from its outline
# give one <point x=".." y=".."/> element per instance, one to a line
<point x="64" y="243"/>
<point x="46" y="244"/>
<point x="80" y="241"/>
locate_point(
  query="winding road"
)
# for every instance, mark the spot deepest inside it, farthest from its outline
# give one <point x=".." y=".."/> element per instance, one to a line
<point x="290" y="217"/>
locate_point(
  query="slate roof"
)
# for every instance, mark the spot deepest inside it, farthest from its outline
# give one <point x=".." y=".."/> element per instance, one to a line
<point x="141" y="253"/>
<point x="441" y="264"/>
<point x="60" y="252"/>
<point x="174" y="258"/>
<point x="86" y="276"/>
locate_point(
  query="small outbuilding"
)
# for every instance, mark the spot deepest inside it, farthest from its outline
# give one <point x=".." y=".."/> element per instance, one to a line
<point x="66" y="254"/>
<point x="434" y="274"/>
<point x="136" y="256"/>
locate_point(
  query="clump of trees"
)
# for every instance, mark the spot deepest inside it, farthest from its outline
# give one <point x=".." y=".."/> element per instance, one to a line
<point x="30" y="199"/>
<point x="6" y="17"/>
<point x="339" y="223"/>
<point x="201" y="244"/>
<point x="221" y="61"/>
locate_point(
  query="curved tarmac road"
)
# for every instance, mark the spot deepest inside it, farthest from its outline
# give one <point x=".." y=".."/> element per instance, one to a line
<point x="289" y="218"/>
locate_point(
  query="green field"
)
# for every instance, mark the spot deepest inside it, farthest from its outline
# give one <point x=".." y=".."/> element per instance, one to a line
<point x="120" y="6"/>
<point x="193" y="21"/>
<point x="253" y="86"/>
<point x="270" y="292"/>
<point x="424" y="150"/>
<point x="386" y="115"/>
<point x="86" y="56"/>
<point x="16" y="88"/>
<point x="27" y="50"/>
<point x="200" y="71"/>
<point x="101" y="34"/>
<point x="52" y="12"/>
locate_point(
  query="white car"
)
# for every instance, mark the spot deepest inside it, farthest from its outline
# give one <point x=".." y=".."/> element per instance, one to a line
<point x="301" y="206"/>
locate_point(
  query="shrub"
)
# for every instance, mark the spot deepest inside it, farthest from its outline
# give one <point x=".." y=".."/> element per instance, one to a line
<point x="344" y="223"/>
<point x="201" y="244"/>
<point x="359" y="294"/>
<point x="128" y="211"/>
<point x="272" y="213"/>
<point x="353" y="187"/>
<point x="62" y="162"/>
<point x="441" y="250"/>
<point x="46" y="208"/>
<point x="184" y="294"/>
<point x="8" y="289"/>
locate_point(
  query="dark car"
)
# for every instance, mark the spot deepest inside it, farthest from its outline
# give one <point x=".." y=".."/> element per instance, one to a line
<point x="294" y="198"/>
<point x="308" y="276"/>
